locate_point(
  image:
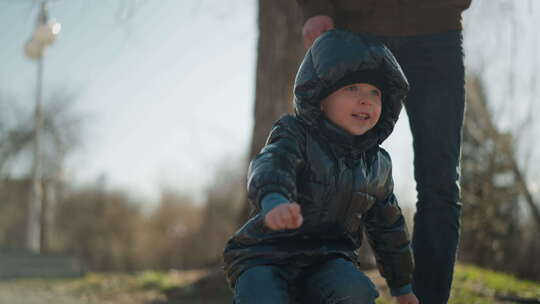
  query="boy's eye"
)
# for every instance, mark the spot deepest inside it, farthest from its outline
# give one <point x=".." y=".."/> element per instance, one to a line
<point x="375" y="92"/>
<point x="351" y="88"/>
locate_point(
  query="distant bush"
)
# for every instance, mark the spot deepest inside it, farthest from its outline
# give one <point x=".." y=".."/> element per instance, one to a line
<point x="109" y="231"/>
<point x="101" y="228"/>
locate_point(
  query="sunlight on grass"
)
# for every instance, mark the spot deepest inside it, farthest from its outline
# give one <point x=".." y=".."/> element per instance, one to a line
<point x="475" y="285"/>
<point x="474" y="280"/>
<point x="166" y="280"/>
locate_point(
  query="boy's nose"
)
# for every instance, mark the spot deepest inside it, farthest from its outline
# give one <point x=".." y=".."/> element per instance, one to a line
<point x="364" y="99"/>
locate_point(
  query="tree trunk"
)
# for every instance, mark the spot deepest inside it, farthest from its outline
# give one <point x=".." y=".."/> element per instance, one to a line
<point x="280" y="51"/>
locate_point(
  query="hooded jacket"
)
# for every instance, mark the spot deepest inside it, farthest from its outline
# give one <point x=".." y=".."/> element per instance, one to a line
<point x="342" y="182"/>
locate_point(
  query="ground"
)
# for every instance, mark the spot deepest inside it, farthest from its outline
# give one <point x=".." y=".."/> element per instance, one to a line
<point x="472" y="285"/>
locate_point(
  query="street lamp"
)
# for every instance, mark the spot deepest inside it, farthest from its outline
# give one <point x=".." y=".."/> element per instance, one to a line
<point x="44" y="34"/>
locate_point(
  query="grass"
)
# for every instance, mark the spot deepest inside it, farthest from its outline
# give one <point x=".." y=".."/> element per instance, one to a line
<point x="478" y="283"/>
<point x="472" y="285"/>
<point x="475" y="285"/>
<point x="167" y="280"/>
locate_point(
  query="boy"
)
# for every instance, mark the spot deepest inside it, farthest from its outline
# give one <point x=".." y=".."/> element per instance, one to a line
<point x="322" y="178"/>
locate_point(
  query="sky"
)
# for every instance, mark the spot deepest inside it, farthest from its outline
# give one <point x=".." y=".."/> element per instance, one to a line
<point x="167" y="87"/>
<point x="167" y="92"/>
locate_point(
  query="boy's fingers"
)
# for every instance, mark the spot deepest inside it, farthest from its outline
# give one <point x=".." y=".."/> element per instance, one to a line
<point x="278" y="221"/>
<point x="286" y="218"/>
<point x="274" y="221"/>
<point x="283" y="218"/>
<point x="297" y="218"/>
<point x="269" y="221"/>
<point x="298" y="221"/>
<point x="294" y="221"/>
<point x="294" y="208"/>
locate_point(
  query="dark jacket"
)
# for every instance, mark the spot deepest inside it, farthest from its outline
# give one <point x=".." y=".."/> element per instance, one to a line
<point x="342" y="182"/>
<point x="389" y="17"/>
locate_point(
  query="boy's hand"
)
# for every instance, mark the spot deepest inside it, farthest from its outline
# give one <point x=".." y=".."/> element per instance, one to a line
<point x="409" y="298"/>
<point x="284" y="216"/>
<point x="314" y="27"/>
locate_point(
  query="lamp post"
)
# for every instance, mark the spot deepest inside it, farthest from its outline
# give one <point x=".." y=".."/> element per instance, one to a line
<point x="44" y="34"/>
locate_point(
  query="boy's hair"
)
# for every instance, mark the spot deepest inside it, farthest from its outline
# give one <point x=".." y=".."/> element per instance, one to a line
<point x="373" y="77"/>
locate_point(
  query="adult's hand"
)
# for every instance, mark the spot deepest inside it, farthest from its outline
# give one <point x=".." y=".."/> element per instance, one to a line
<point x="314" y="27"/>
<point x="284" y="216"/>
<point x="409" y="298"/>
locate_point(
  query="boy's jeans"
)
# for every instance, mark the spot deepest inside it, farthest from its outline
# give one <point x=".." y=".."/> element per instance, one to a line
<point x="334" y="281"/>
<point x="435" y="104"/>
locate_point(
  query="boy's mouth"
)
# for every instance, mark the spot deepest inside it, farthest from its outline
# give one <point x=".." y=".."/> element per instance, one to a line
<point x="361" y="116"/>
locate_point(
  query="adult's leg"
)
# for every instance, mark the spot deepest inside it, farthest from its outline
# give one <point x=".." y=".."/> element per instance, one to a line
<point x="337" y="281"/>
<point x="434" y="67"/>
<point x="261" y="285"/>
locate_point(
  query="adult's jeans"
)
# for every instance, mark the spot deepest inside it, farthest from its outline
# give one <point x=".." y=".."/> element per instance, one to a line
<point x="433" y="64"/>
<point x="331" y="282"/>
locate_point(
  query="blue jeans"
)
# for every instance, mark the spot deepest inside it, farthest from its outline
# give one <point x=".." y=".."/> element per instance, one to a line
<point x="334" y="281"/>
<point x="435" y="104"/>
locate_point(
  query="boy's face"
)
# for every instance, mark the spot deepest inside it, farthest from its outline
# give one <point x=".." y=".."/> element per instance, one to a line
<point x="356" y="108"/>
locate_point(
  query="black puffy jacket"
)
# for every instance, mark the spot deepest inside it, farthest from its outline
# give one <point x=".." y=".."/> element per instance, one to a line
<point x="342" y="182"/>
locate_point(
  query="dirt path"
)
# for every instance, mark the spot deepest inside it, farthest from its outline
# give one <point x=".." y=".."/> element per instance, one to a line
<point x="45" y="292"/>
<point x="23" y="292"/>
<point x="13" y="293"/>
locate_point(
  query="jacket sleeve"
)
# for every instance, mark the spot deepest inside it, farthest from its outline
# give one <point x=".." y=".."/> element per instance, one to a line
<point x="388" y="236"/>
<point x="312" y="8"/>
<point x="275" y="168"/>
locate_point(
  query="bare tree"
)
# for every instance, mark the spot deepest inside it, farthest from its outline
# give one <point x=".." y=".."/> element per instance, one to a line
<point x="500" y="153"/>
<point x="501" y="47"/>
<point x="60" y="135"/>
<point x="278" y="55"/>
<point x="494" y="191"/>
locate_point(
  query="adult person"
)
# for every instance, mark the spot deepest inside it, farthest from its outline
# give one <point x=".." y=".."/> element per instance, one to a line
<point x="426" y="38"/>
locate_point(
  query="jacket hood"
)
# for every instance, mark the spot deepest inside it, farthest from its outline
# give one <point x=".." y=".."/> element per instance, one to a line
<point x="339" y="58"/>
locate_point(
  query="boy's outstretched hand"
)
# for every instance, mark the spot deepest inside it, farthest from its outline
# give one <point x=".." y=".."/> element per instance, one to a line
<point x="284" y="216"/>
<point x="409" y="298"/>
